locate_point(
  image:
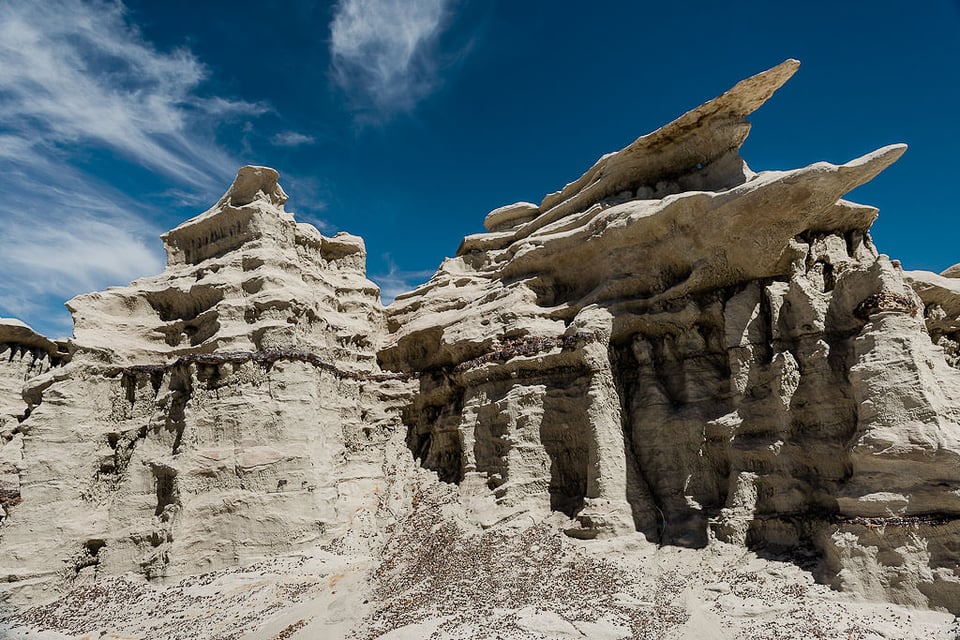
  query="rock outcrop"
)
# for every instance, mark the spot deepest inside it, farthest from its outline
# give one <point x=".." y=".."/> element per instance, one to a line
<point x="677" y="345"/>
<point x="227" y="409"/>
<point x="24" y="354"/>
<point x="672" y="351"/>
<point x="941" y="302"/>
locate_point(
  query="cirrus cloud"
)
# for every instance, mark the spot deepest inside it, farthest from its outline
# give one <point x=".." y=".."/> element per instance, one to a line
<point x="396" y="281"/>
<point x="291" y="139"/>
<point x="381" y="51"/>
<point x="77" y="78"/>
<point x="77" y="73"/>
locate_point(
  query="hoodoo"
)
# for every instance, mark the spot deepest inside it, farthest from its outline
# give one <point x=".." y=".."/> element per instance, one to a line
<point x="677" y="345"/>
<point x="665" y="398"/>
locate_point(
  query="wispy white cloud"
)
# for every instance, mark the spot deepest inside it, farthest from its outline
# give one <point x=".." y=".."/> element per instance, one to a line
<point x="291" y="139"/>
<point x="65" y="234"/>
<point x="381" y="51"/>
<point x="397" y="281"/>
<point x="77" y="73"/>
<point x="75" y="78"/>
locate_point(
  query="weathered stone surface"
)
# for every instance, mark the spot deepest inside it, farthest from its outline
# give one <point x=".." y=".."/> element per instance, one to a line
<point x="941" y="312"/>
<point x="677" y="345"/>
<point x="229" y="408"/>
<point x="243" y="276"/>
<point x="602" y="418"/>
<point x="951" y="272"/>
<point x="24" y="354"/>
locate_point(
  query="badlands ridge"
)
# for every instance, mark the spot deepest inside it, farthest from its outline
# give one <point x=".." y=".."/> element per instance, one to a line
<point x="676" y="398"/>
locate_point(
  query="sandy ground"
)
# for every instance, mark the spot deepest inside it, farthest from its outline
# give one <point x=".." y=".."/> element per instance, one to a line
<point x="437" y="577"/>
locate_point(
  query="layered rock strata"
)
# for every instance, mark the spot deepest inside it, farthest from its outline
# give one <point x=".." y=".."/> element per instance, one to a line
<point x="678" y="345"/>
<point x="227" y="409"/>
<point x="671" y="350"/>
<point x="24" y="354"/>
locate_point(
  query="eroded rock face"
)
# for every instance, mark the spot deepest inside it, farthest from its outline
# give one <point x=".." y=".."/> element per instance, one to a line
<point x="672" y="350"/>
<point x="941" y="308"/>
<point x="229" y="408"/>
<point x="677" y="345"/>
<point x="24" y="354"/>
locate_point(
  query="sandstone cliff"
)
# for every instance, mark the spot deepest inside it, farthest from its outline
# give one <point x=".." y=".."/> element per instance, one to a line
<point x="223" y="410"/>
<point x="677" y="345"/>
<point x="610" y="415"/>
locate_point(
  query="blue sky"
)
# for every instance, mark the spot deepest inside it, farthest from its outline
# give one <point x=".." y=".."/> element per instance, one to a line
<point x="406" y="121"/>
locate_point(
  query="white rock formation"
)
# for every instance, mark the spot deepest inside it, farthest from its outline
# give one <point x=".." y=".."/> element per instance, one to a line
<point x="229" y="408"/>
<point x="602" y="418"/>
<point x="24" y="354"/>
<point x="941" y="300"/>
<point x="675" y="344"/>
